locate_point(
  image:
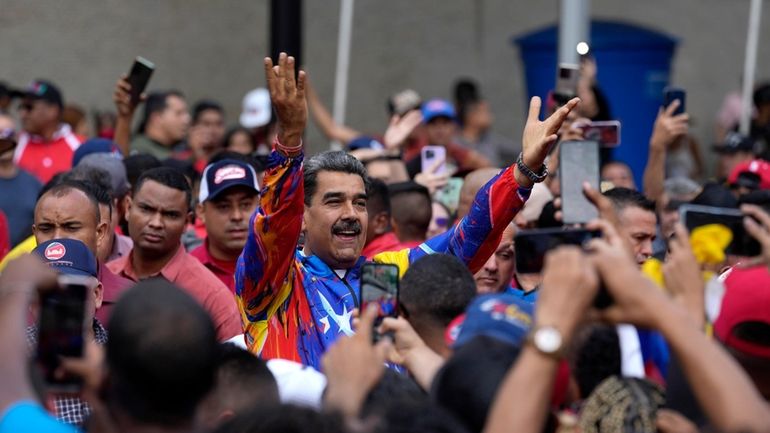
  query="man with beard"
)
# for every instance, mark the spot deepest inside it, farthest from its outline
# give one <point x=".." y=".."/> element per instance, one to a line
<point x="228" y="196"/>
<point x="294" y="303"/>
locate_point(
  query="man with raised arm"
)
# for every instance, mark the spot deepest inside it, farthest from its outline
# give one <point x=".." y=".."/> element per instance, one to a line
<point x="295" y="303"/>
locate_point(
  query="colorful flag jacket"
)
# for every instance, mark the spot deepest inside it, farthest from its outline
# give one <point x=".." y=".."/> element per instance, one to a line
<point x="293" y="306"/>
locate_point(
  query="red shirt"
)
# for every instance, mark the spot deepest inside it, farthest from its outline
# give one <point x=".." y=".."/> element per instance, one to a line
<point x="223" y="269"/>
<point x="44" y="158"/>
<point x="114" y="286"/>
<point x="189" y="274"/>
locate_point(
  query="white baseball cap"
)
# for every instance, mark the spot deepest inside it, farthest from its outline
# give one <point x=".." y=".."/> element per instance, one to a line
<point x="256" y="110"/>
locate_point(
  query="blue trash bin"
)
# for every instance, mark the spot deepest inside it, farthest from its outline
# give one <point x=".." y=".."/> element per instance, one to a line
<point x="634" y="65"/>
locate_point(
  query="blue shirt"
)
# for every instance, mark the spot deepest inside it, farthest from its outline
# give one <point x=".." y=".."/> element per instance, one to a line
<point x="18" y="203"/>
<point x="29" y="417"/>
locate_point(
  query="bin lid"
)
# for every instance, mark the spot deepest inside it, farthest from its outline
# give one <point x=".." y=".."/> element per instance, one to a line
<point x="604" y="35"/>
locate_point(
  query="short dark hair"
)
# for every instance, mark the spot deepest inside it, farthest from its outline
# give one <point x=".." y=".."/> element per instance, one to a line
<point x="205" y="105"/>
<point x="169" y="177"/>
<point x="156" y="102"/>
<point x="761" y="95"/>
<point x="154" y="329"/>
<point x="378" y="197"/>
<point x="411" y="208"/>
<point x="393" y="387"/>
<point x="437" y="288"/>
<point x="622" y="198"/>
<point x="98" y="180"/>
<point x="138" y="164"/>
<point x="334" y="161"/>
<point x="242" y="381"/>
<point x="281" y="419"/>
<point x="237" y="130"/>
<point x="596" y="357"/>
<point x="468" y="382"/>
<point x="65" y="186"/>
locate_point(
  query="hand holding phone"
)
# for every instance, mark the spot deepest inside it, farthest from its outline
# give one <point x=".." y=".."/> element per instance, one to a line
<point x="671" y="94"/>
<point x="741" y="243"/>
<point x="61" y="329"/>
<point x="433" y="160"/>
<point x="379" y="286"/>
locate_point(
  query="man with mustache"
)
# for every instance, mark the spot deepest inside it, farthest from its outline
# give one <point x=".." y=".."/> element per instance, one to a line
<point x="228" y="196"/>
<point x="296" y="303"/>
<point x="158" y="212"/>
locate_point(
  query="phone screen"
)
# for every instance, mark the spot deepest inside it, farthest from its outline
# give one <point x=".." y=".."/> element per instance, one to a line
<point x="670" y="94"/>
<point x="379" y="285"/>
<point x="430" y="156"/>
<point x="531" y="245"/>
<point x="140" y="74"/>
<point x="607" y="133"/>
<point x="578" y="163"/>
<point x="61" y="330"/>
<point x="742" y="244"/>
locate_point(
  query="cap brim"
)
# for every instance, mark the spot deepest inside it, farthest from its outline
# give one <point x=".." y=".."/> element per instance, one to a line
<point x="69" y="270"/>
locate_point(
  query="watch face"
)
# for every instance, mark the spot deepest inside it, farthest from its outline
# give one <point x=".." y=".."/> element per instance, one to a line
<point x="548" y="340"/>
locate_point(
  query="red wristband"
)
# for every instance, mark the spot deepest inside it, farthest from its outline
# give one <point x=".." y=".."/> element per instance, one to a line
<point x="288" y="151"/>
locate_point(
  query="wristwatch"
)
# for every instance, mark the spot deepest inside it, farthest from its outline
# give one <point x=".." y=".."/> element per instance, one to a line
<point x="526" y="171"/>
<point x="547" y="340"/>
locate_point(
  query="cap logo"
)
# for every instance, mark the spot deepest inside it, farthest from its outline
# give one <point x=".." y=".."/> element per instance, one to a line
<point x="55" y="251"/>
<point x="230" y="172"/>
<point x="436" y="105"/>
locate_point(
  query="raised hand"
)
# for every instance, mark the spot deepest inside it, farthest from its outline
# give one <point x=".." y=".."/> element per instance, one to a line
<point x="353" y="366"/>
<point x="539" y="135"/>
<point x="122" y="98"/>
<point x="287" y="95"/>
<point x="569" y="287"/>
<point x="400" y="127"/>
<point x="759" y="230"/>
<point x="682" y="275"/>
<point x="668" y="127"/>
<point x="432" y="180"/>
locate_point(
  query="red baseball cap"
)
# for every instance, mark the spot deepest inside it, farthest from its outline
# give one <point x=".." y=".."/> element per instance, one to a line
<point x="758" y="167"/>
<point x="746" y="299"/>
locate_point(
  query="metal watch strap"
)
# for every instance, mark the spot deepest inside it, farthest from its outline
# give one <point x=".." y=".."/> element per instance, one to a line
<point x="526" y="171"/>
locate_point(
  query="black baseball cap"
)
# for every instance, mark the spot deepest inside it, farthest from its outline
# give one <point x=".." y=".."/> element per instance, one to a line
<point x="735" y="142"/>
<point x="6" y="90"/>
<point x="45" y="91"/>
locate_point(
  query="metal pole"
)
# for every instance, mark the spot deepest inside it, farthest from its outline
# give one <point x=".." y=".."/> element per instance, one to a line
<point x="574" y="27"/>
<point x="750" y="65"/>
<point x="343" y="64"/>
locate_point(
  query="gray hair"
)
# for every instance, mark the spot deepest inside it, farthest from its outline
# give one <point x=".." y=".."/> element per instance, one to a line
<point x="336" y="161"/>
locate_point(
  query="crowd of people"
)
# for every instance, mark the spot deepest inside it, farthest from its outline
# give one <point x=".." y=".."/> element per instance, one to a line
<point x="223" y="270"/>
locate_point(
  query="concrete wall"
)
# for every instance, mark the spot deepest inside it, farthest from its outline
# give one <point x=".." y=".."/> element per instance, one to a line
<point x="211" y="48"/>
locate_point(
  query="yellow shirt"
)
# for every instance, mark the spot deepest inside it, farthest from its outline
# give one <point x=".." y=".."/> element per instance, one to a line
<point x="26" y="246"/>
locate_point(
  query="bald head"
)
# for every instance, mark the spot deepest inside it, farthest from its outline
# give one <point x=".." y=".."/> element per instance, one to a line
<point x="471" y="186"/>
<point x="69" y="210"/>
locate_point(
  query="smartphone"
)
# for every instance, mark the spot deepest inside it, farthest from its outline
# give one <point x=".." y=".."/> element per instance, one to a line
<point x="530" y="246"/>
<point x="139" y="76"/>
<point x="61" y="329"/>
<point x="742" y="244"/>
<point x="566" y="82"/>
<point x="606" y="133"/>
<point x="675" y="93"/>
<point x="379" y="285"/>
<point x="430" y="155"/>
<point x="578" y="163"/>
